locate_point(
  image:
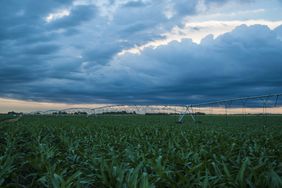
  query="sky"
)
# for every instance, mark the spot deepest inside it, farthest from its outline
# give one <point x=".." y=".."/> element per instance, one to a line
<point x="86" y="52"/>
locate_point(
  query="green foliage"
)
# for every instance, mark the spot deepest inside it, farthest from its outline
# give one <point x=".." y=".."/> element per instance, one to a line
<point x="141" y="151"/>
<point x="4" y="117"/>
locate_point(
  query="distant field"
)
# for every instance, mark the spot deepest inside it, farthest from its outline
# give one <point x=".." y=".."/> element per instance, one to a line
<point x="141" y="151"/>
<point x="4" y="117"/>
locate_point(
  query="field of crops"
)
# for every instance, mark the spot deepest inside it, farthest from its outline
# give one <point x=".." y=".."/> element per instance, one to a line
<point x="141" y="151"/>
<point x="4" y="117"/>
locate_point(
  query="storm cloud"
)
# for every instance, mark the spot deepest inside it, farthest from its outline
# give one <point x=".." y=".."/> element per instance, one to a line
<point x="70" y="51"/>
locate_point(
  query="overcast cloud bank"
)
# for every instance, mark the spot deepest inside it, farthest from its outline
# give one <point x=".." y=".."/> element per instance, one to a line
<point x="67" y="51"/>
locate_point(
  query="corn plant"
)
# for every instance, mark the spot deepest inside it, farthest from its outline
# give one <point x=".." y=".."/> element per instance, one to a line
<point x="140" y="151"/>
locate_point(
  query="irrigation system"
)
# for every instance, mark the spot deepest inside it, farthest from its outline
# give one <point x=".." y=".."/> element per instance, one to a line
<point x="263" y="99"/>
<point x="260" y="102"/>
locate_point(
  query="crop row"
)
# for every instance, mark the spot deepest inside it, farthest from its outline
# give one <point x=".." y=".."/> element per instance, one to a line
<point x="141" y="151"/>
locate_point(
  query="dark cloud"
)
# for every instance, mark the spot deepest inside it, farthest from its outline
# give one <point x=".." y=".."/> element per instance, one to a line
<point x="246" y="61"/>
<point x="135" y="4"/>
<point x="225" y="1"/>
<point x="100" y="55"/>
<point x="74" y="58"/>
<point x="185" y="7"/>
<point x="278" y="31"/>
<point x="238" y="63"/>
<point x="41" y="49"/>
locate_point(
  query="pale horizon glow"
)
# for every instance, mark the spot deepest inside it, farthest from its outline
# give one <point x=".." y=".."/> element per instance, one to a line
<point x="7" y="105"/>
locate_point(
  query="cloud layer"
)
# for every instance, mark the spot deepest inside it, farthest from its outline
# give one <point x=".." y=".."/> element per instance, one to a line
<point x="67" y="51"/>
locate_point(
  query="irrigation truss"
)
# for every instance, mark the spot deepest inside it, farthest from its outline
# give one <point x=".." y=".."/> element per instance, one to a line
<point x="263" y="104"/>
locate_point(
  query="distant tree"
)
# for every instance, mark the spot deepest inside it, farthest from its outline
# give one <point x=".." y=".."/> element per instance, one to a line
<point x="199" y="113"/>
<point x="12" y="113"/>
<point x="119" y="112"/>
<point x="80" y="113"/>
<point x="62" y="113"/>
<point x="15" y="113"/>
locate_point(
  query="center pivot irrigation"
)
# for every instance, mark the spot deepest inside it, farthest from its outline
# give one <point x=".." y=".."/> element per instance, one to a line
<point x="262" y="101"/>
<point x="254" y="105"/>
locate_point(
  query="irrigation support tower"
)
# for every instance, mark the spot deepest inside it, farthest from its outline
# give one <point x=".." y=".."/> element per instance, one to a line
<point x="225" y="103"/>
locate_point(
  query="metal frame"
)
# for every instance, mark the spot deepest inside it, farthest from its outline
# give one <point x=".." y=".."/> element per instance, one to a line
<point x="187" y="111"/>
<point x="228" y="102"/>
<point x="188" y="108"/>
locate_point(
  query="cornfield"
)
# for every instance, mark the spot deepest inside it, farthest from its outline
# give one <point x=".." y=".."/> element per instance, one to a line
<point x="141" y="151"/>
